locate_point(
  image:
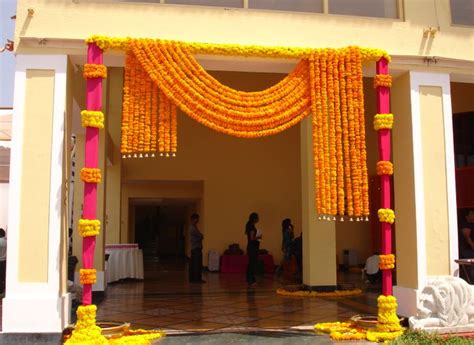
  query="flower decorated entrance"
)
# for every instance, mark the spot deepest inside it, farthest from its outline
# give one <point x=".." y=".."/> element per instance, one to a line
<point x="161" y="76"/>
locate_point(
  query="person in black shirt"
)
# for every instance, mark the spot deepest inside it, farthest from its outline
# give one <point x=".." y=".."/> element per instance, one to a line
<point x="466" y="236"/>
<point x="253" y="245"/>
<point x="195" y="266"/>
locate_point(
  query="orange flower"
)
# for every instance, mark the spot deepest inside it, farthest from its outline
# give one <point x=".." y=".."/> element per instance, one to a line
<point x="382" y="80"/>
<point x="91" y="175"/>
<point x="92" y="70"/>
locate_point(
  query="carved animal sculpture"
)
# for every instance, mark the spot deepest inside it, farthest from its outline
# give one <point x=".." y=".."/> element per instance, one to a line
<point x="445" y="302"/>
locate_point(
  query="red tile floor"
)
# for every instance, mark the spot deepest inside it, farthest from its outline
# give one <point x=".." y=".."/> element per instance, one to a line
<point x="165" y="300"/>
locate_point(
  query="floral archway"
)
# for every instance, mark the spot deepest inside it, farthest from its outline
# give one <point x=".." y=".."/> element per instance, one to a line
<point x="161" y="76"/>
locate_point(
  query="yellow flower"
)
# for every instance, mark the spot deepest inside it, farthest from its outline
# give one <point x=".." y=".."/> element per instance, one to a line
<point x="383" y="121"/>
<point x="92" y="70"/>
<point x="92" y="118"/>
<point x="91" y="175"/>
<point x="386" y="215"/>
<point x="89" y="227"/>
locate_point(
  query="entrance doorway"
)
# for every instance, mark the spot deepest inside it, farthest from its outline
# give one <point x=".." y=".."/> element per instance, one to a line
<point x="159" y="227"/>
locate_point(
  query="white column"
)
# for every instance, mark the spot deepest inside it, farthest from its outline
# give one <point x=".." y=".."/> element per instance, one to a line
<point x="432" y="144"/>
<point x="36" y="305"/>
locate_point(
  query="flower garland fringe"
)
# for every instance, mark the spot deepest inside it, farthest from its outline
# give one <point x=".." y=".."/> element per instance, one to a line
<point x="327" y="83"/>
<point x="337" y="293"/>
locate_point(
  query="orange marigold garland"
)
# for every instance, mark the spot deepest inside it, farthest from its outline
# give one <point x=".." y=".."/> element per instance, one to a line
<point x="332" y="132"/>
<point x="382" y="80"/>
<point x="91" y="175"/>
<point x="332" y="92"/>
<point x="87" y="276"/>
<point x="346" y="135"/>
<point x="387" y="262"/>
<point x="384" y="168"/>
<point x="92" y="70"/>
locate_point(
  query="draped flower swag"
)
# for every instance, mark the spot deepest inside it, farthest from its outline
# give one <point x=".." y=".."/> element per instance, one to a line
<point x="161" y="76"/>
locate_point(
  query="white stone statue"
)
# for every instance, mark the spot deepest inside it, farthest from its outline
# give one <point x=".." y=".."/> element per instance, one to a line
<point x="445" y="302"/>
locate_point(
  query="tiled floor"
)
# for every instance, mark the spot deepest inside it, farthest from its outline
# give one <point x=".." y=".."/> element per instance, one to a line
<point x="164" y="300"/>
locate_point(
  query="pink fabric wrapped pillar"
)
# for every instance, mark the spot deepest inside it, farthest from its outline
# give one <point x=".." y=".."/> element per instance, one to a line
<point x="91" y="160"/>
<point x="384" y="138"/>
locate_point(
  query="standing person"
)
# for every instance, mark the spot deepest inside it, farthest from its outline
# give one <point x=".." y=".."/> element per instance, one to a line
<point x="195" y="266"/>
<point x="287" y="238"/>
<point x="253" y="245"/>
<point x="466" y="237"/>
<point x="3" y="259"/>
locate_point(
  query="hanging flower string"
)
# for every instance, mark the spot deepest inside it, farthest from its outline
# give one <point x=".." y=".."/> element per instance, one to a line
<point x="162" y="75"/>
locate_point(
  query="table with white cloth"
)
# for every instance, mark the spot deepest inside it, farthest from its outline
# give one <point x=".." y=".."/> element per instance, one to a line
<point x="124" y="261"/>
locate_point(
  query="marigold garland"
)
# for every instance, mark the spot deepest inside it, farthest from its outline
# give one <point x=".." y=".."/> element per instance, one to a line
<point x="91" y="175"/>
<point x="86" y="332"/>
<point x="87" y="276"/>
<point x="336" y="293"/>
<point x="386" y="215"/>
<point x="382" y="80"/>
<point x="326" y="82"/>
<point x="92" y="70"/>
<point x="91" y="118"/>
<point x="387" y="262"/>
<point x="89" y="227"/>
<point x="123" y="43"/>
<point x="384" y="168"/>
<point x="383" y="121"/>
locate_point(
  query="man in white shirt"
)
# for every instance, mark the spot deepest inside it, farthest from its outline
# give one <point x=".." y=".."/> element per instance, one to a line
<point x="3" y="258"/>
<point x="372" y="268"/>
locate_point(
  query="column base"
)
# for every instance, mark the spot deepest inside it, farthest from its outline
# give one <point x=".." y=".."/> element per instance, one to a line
<point x="407" y="300"/>
<point x="36" y="314"/>
<point x="30" y="338"/>
<point x="320" y="288"/>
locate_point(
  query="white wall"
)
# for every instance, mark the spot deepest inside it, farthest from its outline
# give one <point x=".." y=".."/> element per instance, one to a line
<point x="3" y="205"/>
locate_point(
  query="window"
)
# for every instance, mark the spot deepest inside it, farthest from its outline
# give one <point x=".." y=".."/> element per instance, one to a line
<point x="218" y="3"/>
<point x="367" y="8"/>
<point x="462" y="12"/>
<point x="463" y="129"/>
<point x="288" y="5"/>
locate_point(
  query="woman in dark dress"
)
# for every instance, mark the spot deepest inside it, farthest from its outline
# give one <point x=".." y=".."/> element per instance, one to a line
<point x="466" y="237"/>
<point x="253" y="245"/>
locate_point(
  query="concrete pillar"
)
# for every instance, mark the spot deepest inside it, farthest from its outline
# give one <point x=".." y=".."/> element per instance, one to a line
<point x="425" y="196"/>
<point x="319" y="236"/>
<point x="36" y="298"/>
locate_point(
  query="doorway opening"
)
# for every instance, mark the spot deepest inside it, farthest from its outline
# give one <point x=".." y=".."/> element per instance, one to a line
<point x="159" y="227"/>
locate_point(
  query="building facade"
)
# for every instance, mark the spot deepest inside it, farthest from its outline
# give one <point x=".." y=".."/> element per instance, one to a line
<point x="432" y="49"/>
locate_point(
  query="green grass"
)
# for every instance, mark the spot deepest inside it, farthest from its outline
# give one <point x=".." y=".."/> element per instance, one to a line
<point x="425" y="338"/>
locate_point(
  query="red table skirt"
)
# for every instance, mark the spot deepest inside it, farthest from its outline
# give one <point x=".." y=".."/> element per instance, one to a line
<point x="238" y="263"/>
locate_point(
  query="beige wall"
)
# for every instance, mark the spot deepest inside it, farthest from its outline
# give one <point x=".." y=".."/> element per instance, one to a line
<point x="78" y="20"/>
<point x="434" y="181"/>
<point x="113" y="115"/>
<point x="462" y="97"/>
<point x="404" y="184"/>
<point x="36" y="176"/>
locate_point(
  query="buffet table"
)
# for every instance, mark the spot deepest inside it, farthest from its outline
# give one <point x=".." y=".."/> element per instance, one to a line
<point x="124" y="261"/>
<point x="238" y="263"/>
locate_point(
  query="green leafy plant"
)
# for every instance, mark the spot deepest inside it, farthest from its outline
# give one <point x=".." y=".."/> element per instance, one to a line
<point x="425" y="338"/>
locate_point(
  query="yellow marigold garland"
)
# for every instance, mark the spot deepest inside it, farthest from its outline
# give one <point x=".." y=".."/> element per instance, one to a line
<point x="89" y="227"/>
<point x="91" y="118"/>
<point x="92" y="70"/>
<point x="337" y="293"/>
<point x="384" y="168"/>
<point x="383" y="121"/>
<point x="386" y="262"/>
<point x="386" y="215"/>
<point x="123" y="43"/>
<point x="382" y="80"/>
<point x="91" y="175"/>
<point x="87" y="276"/>
<point x="86" y="331"/>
